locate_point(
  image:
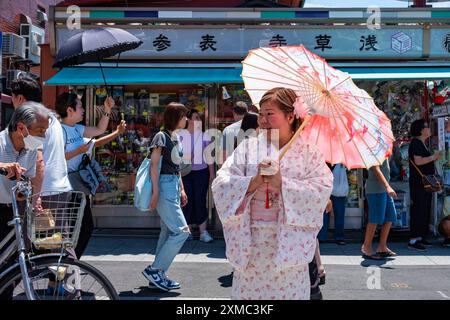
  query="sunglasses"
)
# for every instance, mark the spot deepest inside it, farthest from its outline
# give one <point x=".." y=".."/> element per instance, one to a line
<point x="15" y="86"/>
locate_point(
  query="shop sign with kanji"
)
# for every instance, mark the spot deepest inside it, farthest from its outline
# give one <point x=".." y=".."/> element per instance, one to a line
<point x="234" y="43"/>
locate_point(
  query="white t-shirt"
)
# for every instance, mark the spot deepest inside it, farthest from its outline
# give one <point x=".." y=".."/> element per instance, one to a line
<point x="233" y="129"/>
<point x="74" y="139"/>
<point x="55" y="167"/>
<point x="230" y="135"/>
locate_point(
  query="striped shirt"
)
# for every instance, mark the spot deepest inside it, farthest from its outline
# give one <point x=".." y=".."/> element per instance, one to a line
<point x="26" y="158"/>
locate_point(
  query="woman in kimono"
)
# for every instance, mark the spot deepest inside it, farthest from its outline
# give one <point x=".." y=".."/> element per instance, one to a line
<point x="270" y="222"/>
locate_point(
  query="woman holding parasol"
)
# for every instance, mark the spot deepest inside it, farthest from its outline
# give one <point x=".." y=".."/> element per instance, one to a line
<point x="272" y="210"/>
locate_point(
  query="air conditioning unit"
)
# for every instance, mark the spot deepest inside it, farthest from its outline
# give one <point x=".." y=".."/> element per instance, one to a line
<point x="12" y="75"/>
<point x="34" y="36"/>
<point x="41" y="16"/>
<point x="13" y="45"/>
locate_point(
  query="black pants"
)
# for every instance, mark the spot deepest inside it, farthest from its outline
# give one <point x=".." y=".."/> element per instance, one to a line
<point x="314" y="277"/>
<point x="6" y="215"/>
<point x="87" y="227"/>
<point x="196" y="185"/>
<point x="420" y="211"/>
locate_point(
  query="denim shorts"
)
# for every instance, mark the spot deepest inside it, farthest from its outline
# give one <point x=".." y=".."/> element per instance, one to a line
<point x="381" y="208"/>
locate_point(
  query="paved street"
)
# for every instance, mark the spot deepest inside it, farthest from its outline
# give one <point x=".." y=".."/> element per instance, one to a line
<point x="204" y="272"/>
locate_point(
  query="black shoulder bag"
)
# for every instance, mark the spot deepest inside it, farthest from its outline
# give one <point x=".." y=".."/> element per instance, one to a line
<point x="431" y="182"/>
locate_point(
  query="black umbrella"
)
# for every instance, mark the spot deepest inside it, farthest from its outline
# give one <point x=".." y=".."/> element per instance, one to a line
<point x="93" y="45"/>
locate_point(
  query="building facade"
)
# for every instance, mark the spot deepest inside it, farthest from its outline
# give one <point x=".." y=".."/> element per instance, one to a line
<point x="23" y="28"/>
<point x="193" y="55"/>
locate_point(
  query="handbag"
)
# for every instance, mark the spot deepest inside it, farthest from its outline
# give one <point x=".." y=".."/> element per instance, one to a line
<point x="185" y="169"/>
<point x="90" y="173"/>
<point x="77" y="183"/>
<point x="431" y="182"/>
<point x="44" y="220"/>
<point x="143" y="188"/>
<point x="88" y="176"/>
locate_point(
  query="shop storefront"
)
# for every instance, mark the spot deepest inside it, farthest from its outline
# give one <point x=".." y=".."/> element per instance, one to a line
<point x="193" y="56"/>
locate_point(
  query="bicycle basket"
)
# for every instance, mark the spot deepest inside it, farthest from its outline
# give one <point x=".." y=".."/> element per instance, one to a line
<point x="55" y="219"/>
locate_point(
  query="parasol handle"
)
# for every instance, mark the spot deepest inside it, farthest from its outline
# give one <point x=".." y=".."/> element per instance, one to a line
<point x="296" y="134"/>
<point x="103" y="75"/>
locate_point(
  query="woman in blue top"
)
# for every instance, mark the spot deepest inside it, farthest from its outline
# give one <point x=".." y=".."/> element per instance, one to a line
<point x="168" y="196"/>
<point x="71" y="111"/>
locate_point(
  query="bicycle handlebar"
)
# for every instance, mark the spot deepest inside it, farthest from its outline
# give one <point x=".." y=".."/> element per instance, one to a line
<point x="4" y="172"/>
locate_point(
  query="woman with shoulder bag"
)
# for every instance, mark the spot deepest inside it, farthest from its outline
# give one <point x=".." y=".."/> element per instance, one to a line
<point x="168" y="196"/>
<point x="71" y="111"/>
<point x="421" y="163"/>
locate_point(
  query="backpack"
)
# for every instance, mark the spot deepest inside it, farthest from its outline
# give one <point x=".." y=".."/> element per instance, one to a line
<point x="340" y="181"/>
<point x="143" y="186"/>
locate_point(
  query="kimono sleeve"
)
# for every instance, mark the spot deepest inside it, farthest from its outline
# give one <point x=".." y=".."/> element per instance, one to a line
<point x="230" y="186"/>
<point x="306" y="191"/>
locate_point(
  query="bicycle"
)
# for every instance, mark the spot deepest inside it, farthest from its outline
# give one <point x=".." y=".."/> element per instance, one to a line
<point x="53" y="222"/>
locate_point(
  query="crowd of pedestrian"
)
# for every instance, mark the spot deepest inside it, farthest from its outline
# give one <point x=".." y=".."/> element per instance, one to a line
<point x="274" y="207"/>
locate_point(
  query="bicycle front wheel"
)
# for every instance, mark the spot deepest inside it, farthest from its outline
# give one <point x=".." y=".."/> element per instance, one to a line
<point x="53" y="278"/>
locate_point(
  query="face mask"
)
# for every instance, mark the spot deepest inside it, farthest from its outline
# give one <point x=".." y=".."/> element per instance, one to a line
<point x="32" y="142"/>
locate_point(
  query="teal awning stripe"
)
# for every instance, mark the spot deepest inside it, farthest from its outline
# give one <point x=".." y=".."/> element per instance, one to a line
<point x="131" y="75"/>
<point x="398" y="73"/>
<point x="120" y="76"/>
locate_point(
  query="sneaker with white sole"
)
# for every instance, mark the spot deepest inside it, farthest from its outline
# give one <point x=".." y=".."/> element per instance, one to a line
<point x="417" y="246"/>
<point x="156" y="277"/>
<point x="171" y="284"/>
<point x="206" y="237"/>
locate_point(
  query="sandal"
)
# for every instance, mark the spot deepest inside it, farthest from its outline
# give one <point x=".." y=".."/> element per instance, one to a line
<point x="372" y="256"/>
<point x="386" y="254"/>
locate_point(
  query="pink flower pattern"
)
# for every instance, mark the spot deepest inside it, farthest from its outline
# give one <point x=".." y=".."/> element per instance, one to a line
<point x="261" y="280"/>
<point x="279" y="254"/>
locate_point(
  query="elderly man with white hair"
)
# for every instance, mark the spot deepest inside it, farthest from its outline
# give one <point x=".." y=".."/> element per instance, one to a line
<point x="18" y="152"/>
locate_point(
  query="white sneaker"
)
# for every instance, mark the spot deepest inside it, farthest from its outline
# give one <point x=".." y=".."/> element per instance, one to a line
<point x="206" y="237"/>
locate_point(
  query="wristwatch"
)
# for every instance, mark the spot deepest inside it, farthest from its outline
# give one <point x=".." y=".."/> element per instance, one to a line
<point x="106" y="114"/>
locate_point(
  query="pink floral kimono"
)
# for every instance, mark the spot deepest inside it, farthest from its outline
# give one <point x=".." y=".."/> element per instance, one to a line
<point x="270" y="249"/>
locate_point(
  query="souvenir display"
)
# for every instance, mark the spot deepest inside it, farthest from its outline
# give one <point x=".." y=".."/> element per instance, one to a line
<point x="353" y="194"/>
<point x="143" y="111"/>
<point x="225" y="104"/>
